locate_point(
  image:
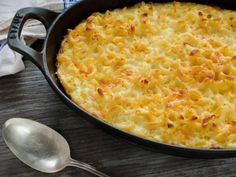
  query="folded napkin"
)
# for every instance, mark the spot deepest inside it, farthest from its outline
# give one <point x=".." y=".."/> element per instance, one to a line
<point x="10" y="61"/>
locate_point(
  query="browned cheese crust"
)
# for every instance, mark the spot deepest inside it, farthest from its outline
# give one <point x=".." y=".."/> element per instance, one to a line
<point x="162" y="71"/>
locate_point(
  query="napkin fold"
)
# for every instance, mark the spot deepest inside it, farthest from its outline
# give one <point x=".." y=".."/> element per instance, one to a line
<point x="10" y="61"/>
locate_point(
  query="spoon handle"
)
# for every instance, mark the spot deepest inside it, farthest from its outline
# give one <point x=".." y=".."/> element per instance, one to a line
<point x="86" y="167"/>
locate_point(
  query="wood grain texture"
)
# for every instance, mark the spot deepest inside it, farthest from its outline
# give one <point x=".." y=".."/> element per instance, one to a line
<point x="28" y="95"/>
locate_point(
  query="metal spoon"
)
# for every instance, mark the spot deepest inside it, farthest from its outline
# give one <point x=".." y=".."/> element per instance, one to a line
<point x="40" y="147"/>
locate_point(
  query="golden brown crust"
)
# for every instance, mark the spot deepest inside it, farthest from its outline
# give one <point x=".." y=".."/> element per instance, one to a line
<point x="166" y="72"/>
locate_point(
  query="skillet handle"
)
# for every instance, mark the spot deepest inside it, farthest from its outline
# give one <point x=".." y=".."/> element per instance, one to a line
<point x="13" y="39"/>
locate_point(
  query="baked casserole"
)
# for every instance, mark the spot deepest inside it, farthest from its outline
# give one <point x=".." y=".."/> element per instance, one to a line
<point x="162" y="71"/>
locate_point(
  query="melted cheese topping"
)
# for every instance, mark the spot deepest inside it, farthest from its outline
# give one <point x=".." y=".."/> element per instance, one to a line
<point x="166" y="72"/>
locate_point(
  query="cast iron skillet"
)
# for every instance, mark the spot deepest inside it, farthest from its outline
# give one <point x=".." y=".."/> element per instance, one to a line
<point x="56" y="26"/>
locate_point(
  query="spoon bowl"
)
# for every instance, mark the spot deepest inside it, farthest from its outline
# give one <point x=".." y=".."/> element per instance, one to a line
<point x="40" y="147"/>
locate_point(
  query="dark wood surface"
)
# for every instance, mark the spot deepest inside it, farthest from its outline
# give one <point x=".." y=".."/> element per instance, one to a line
<point x="28" y="95"/>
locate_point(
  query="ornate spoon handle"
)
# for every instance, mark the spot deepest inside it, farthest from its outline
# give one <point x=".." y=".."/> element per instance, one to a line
<point x="86" y="167"/>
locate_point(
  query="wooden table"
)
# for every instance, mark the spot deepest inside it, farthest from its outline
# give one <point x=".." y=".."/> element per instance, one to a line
<point x="28" y="95"/>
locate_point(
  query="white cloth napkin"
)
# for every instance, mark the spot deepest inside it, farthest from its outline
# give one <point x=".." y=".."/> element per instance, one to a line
<point x="10" y="61"/>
